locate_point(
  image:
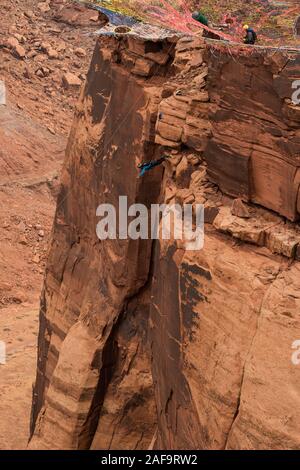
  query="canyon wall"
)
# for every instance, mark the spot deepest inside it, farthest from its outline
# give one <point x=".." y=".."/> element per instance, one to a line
<point x="256" y="128"/>
<point x="95" y="304"/>
<point x="145" y="344"/>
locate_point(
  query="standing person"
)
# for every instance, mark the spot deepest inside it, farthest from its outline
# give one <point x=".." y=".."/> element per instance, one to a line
<point x="198" y="16"/>
<point x="251" y="35"/>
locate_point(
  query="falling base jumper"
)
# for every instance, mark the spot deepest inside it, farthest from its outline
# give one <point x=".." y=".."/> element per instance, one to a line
<point x="147" y="166"/>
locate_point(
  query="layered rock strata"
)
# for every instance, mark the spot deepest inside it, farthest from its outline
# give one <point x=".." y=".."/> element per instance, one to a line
<point x="147" y="345"/>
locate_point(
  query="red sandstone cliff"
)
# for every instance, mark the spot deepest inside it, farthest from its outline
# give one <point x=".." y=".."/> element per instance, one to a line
<point x="144" y="343"/>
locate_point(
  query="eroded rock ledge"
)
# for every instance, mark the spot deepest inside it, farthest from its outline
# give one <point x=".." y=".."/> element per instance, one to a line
<point x="145" y="344"/>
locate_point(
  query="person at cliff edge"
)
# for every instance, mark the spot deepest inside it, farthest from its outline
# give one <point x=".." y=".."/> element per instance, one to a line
<point x="198" y="16"/>
<point x="251" y="35"/>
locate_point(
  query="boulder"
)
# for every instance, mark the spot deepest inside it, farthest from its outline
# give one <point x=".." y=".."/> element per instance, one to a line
<point x="70" y="80"/>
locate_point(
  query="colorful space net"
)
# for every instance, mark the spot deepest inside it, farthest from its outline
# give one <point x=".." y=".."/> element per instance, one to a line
<point x="273" y="20"/>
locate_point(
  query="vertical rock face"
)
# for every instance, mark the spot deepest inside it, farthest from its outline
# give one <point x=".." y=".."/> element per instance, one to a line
<point x="255" y="128"/>
<point x="94" y="309"/>
<point x="146" y="344"/>
<point x="222" y="327"/>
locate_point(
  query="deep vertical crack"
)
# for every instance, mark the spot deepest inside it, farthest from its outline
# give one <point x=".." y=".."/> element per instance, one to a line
<point x="259" y="318"/>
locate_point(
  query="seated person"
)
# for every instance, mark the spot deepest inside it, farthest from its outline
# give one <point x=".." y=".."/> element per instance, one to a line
<point x="198" y="16"/>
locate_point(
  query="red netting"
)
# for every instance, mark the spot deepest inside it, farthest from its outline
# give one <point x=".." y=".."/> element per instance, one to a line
<point x="275" y="24"/>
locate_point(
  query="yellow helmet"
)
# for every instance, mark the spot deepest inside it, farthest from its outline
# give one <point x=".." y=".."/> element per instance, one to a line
<point x="245" y="26"/>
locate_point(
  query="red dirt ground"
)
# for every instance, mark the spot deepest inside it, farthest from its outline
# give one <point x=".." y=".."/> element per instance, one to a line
<point x="33" y="130"/>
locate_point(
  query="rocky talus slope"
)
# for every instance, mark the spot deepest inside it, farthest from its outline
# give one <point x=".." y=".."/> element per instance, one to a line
<point x="145" y="344"/>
